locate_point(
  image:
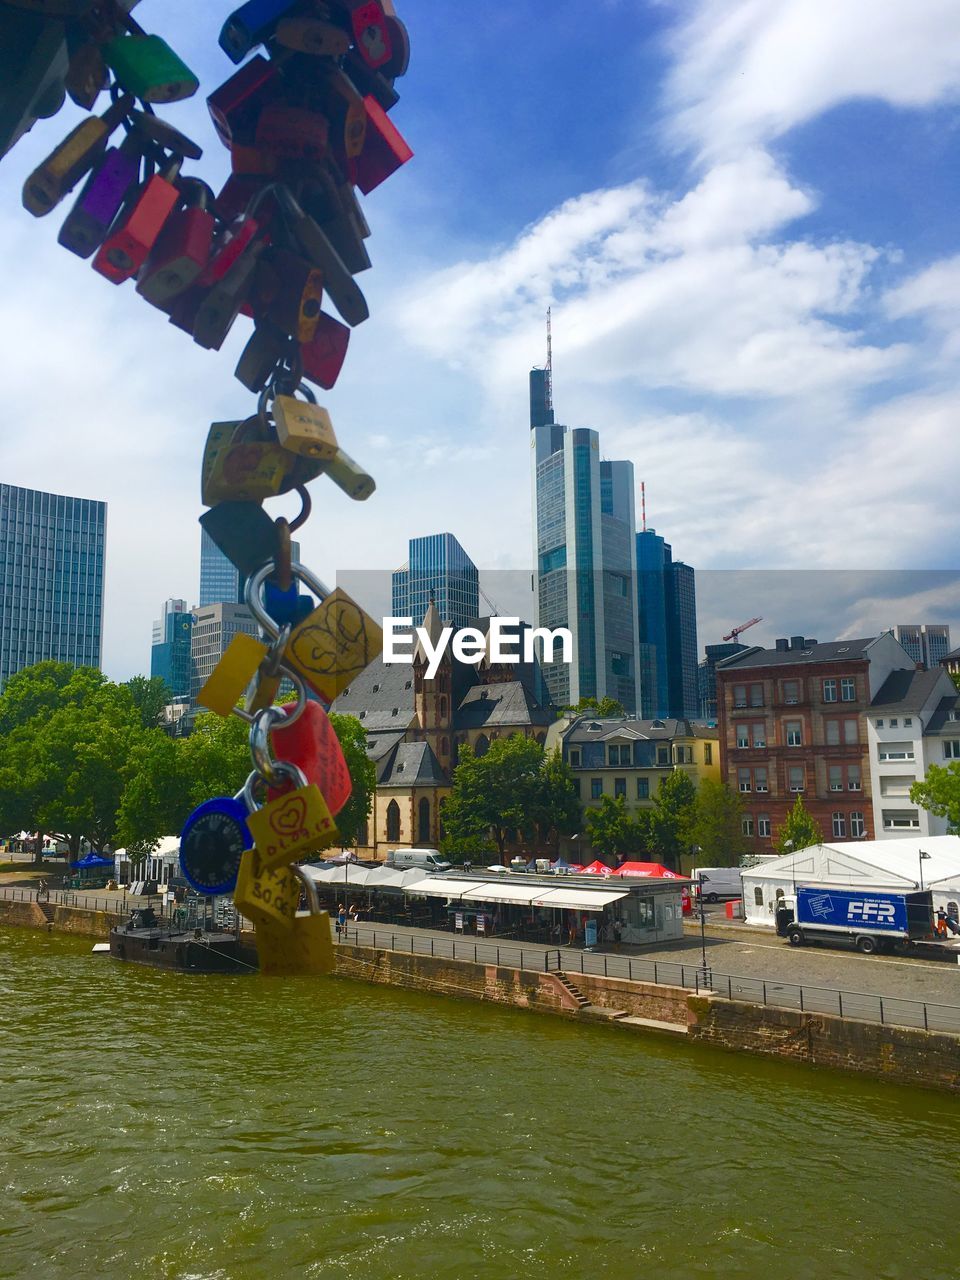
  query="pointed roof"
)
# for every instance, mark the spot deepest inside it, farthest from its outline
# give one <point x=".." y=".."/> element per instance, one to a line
<point x="433" y="626"/>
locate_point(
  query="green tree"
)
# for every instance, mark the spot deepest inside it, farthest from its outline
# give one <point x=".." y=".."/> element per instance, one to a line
<point x="606" y="709"/>
<point x="671" y="816"/>
<point x="799" y="830"/>
<point x="955" y="677"/>
<point x="939" y="793"/>
<point x="557" y="811"/>
<point x="714" y="824"/>
<point x="363" y="776"/>
<point x="150" y="695"/>
<point x="613" y="831"/>
<point x="492" y="795"/>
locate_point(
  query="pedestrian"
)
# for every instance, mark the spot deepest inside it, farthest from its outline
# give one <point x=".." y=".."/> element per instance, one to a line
<point x="572" y="934"/>
<point x="341" y="918"/>
<point x="941" y="923"/>
<point x="617" y="930"/>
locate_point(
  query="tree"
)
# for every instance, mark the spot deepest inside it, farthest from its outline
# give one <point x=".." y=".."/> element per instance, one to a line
<point x="714" y="824"/>
<point x="955" y="677"/>
<point x="671" y="816"/>
<point x="798" y="831"/>
<point x="612" y="830"/>
<point x="557" y="811"/>
<point x="939" y="793"/>
<point x="606" y="709"/>
<point x="492" y="795"/>
<point x="150" y="695"/>
<point x="363" y="775"/>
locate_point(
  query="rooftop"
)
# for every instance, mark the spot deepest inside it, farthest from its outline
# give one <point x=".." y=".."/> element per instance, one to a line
<point x="906" y="691"/>
<point x="799" y="649"/>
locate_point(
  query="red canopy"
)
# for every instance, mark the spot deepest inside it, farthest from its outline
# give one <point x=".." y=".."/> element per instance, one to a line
<point x="654" y="869"/>
<point x="597" y="868"/>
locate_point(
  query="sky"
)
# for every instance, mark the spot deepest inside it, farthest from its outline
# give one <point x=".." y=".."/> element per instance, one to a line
<point x="743" y="216"/>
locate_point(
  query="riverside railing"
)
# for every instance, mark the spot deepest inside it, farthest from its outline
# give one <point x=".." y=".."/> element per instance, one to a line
<point x="78" y="898"/>
<point x="858" y="1005"/>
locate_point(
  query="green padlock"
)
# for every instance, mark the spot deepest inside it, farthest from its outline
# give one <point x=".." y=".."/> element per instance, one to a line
<point x="147" y="67"/>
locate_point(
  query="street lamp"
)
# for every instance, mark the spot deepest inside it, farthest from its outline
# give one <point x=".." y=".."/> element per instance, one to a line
<point x="922" y="858"/>
<point x="703" y="920"/>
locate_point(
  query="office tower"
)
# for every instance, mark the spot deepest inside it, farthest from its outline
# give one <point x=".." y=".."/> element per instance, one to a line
<point x="585" y="557"/>
<point x="438" y="569"/>
<point x="51" y="579"/>
<point x="667" y="600"/>
<point x="926" y="643"/>
<point x="214" y="626"/>
<point x="170" y="655"/>
<point x="220" y="581"/>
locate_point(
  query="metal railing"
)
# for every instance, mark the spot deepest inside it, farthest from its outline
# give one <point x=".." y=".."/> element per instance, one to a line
<point x="858" y="1005"/>
<point x="74" y="898"/>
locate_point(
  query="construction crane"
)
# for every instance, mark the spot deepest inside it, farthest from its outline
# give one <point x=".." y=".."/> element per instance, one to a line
<point x="735" y="633"/>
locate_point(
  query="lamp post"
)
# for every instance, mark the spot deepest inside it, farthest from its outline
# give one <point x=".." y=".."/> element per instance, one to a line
<point x="922" y="857"/>
<point x="703" y="921"/>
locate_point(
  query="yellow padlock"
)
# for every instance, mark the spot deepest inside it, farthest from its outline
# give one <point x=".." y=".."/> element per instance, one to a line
<point x="232" y="674"/>
<point x="238" y="469"/>
<point x="266" y="895"/>
<point x="294" y="825"/>
<point x="334" y="644"/>
<point x="350" y="477"/>
<point x="304" y="428"/>
<point x="305" y="947"/>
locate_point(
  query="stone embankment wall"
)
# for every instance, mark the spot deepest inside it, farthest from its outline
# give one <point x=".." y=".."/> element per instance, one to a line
<point x="79" y="920"/>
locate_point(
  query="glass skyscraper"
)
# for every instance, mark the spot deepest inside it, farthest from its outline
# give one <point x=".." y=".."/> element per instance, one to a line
<point x="667" y="599"/>
<point x="220" y="581"/>
<point x="51" y="579"/>
<point x="438" y="569"/>
<point x="170" y="654"/>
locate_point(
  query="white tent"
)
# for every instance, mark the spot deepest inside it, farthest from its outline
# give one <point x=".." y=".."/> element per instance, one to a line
<point x="862" y="864"/>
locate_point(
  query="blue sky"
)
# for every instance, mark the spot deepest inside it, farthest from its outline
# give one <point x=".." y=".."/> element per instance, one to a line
<point x="743" y="216"/>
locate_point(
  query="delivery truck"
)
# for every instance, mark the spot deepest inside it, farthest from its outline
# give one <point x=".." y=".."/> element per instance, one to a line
<point x="872" y="920"/>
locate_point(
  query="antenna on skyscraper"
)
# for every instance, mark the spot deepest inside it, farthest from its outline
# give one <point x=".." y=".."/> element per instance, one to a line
<point x="643" y="504"/>
<point x="549" y="360"/>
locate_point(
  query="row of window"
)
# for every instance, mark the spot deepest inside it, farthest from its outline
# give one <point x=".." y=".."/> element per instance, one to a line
<point x="835" y="731"/>
<point x="838" y="777"/>
<point x="894" y="722"/>
<point x="619" y="788"/>
<point x="621" y="756"/>
<point x="761" y="826"/>
<point x="842" y="689"/>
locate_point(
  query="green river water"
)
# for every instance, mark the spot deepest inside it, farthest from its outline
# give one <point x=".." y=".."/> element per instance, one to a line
<point x="167" y="1125"/>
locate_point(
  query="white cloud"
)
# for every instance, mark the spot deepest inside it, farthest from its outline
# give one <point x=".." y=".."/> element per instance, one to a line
<point x="747" y="70"/>
<point x="933" y="293"/>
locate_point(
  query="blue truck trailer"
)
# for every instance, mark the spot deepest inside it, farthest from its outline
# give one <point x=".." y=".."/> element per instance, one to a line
<point x="872" y="920"/>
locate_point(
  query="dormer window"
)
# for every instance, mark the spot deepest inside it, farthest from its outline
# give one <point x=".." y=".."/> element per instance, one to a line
<point x="376" y="688"/>
<point x="395" y="711"/>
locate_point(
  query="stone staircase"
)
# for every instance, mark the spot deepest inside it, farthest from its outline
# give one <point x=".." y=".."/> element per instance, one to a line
<point x="47" y="910"/>
<point x="581" y="999"/>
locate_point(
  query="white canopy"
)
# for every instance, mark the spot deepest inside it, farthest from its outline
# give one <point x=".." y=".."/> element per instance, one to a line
<point x="441" y="887"/>
<point x="345" y="874"/>
<point x="514" y="892"/>
<point x="577" y="899"/>
<point x="893" y="864"/>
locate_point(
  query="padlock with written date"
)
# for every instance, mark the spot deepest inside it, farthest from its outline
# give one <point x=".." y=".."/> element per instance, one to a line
<point x="292" y="826"/>
<point x="263" y="894"/>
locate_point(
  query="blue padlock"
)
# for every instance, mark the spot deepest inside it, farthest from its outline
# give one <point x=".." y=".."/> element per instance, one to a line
<point x="250" y="25"/>
<point x="287" y="607"/>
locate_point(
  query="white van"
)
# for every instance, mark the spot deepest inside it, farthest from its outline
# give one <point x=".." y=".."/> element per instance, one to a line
<point x="428" y="859"/>
<point x="718" y="882"/>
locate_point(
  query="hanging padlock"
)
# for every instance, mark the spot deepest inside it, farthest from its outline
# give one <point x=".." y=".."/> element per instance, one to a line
<point x="312" y="35"/>
<point x="137" y="228"/>
<point x="335" y="210"/>
<point x="293" y="826"/>
<point x="303" y="949"/>
<point x="350" y="477"/>
<point x="221" y="305"/>
<point x="183" y="247"/>
<point x="304" y="428"/>
<point x="246" y="162"/>
<point x="264" y="895"/>
<point x="369" y="82"/>
<point x="290" y="293"/>
<point x="228" y="245"/>
<point x="251" y="25"/>
<point x="147" y="67"/>
<point x="162" y="134"/>
<point x="87" y="74"/>
<point x="323" y="356"/>
<point x="33" y="64"/>
<point x="236" y="197"/>
<point x="399" y="62"/>
<point x="103" y="196"/>
<point x="368" y="23"/>
<point x="213" y="841"/>
<point x="75" y="156"/>
<point x="244" y="533"/>
<point x="333" y="645"/>
<point x="310" y="743"/>
<point x="228" y="680"/>
<point x="343" y="106"/>
<point x="264" y="688"/>
<point x="239" y="469"/>
<point x="340" y="285"/>
<point x="384" y="152"/>
<point x="234" y="107"/>
<point x="265" y="349"/>
<point x="292" y="133"/>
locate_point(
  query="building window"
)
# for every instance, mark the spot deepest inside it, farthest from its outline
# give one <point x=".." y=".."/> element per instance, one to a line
<point x="743" y="779"/>
<point x="829" y="690"/>
<point x="836" y="777"/>
<point x="643" y="788"/>
<point x="794" y="730"/>
<point x="760" y="778"/>
<point x="613" y="755"/>
<point x="857" y="827"/>
<point x="619" y="788"/>
<point x="596" y="788"/>
<point x="832" y="728"/>
<point x="839" y="826"/>
<point x="848" y="689"/>
<point x="951" y="749"/>
<point x="791" y="692"/>
<point x="900" y="820"/>
<point x="423" y="825"/>
<point x="908" y="722"/>
<point x="763" y="825"/>
<point x="895" y="751"/>
<point x="756" y="695"/>
<point x="880" y="723"/>
<point x="796" y="777"/>
<point x="708" y="753"/>
<point x="574" y="759"/>
<point x="851" y="732"/>
<point x="853" y="777"/>
<point x="663" y="755"/>
<point x="757" y="896"/>
<point x="393" y="821"/>
<point x="759" y="736"/>
<point x="739" y="695"/>
<point x="746" y="825"/>
<point x="576" y="787"/>
<point x="894" y="722"/>
<point x="743" y="735"/>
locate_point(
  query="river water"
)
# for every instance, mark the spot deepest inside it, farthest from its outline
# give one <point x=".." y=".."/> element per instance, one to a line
<point x="168" y="1125"/>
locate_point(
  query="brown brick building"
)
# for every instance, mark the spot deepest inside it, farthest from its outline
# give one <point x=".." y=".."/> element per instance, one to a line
<point x="793" y="722"/>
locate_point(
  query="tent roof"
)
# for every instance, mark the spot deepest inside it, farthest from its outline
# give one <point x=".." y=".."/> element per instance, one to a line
<point x="655" y="869"/>
<point x="94" y="860"/>
<point x="597" y="868"/>
<point x="895" y="863"/>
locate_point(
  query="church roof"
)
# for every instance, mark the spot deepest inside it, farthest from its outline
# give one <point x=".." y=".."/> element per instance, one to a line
<point x="381" y="697"/>
<point x="412" y="764"/>
<point x="433" y="625"/>
<point x="509" y="703"/>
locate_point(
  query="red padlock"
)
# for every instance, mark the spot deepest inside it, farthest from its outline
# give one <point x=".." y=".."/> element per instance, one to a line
<point x="289" y="293"/>
<point x="228" y="247"/>
<point x="324" y="355"/>
<point x="292" y="133"/>
<point x="311" y="744"/>
<point x="182" y="249"/>
<point x="384" y="150"/>
<point x="234" y="107"/>
<point x="370" y="31"/>
<point x="135" y="232"/>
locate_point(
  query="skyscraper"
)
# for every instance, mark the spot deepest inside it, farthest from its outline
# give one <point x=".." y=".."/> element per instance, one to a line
<point x="585" y="556"/>
<point x="51" y="579"/>
<point x="214" y="626"/>
<point x="170" y="653"/>
<point x="927" y="643"/>
<point x="666" y="591"/>
<point x="438" y="569"/>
